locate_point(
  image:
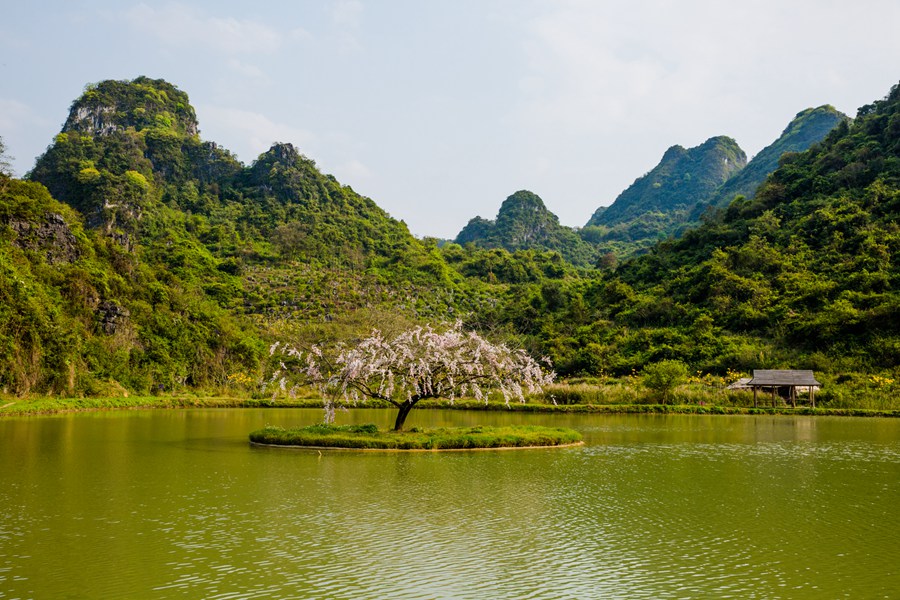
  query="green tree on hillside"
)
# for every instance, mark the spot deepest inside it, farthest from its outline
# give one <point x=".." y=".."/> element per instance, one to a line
<point x="5" y="160"/>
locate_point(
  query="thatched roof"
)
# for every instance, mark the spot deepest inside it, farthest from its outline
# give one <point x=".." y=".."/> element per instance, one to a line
<point x="775" y="378"/>
<point x="741" y="384"/>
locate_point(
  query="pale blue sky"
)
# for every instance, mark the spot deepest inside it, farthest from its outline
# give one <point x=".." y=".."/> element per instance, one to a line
<point x="438" y="110"/>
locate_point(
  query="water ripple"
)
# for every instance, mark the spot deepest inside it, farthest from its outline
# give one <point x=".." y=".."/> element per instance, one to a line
<point x="639" y="513"/>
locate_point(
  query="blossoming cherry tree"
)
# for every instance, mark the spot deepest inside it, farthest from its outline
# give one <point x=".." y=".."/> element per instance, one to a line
<point x="417" y="364"/>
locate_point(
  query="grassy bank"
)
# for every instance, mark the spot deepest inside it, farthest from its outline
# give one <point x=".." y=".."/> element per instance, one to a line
<point x="856" y="396"/>
<point x="851" y="391"/>
<point x="42" y="406"/>
<point x="368" y="437"/>
<point x="688" y="409"/>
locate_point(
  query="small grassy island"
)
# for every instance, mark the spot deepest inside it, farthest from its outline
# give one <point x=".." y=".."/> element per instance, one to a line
<point x="368" y="437"/>
<point x="419" y="364"/>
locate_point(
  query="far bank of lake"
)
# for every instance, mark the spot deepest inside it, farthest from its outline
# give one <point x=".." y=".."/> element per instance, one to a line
<point x="45" y="405"/>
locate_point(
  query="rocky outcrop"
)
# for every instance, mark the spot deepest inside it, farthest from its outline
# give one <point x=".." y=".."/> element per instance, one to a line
<point x="92" y="120"/>
<point x="111" y="317"/>
<point x="51" y="237"/>
<point x="111" y="106"/>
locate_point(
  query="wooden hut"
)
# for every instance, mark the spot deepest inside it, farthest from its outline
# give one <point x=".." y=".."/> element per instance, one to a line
<point x="784" y="382"/>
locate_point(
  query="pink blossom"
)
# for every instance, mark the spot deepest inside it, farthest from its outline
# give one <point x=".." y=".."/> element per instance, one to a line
<point x="417" y="364"/>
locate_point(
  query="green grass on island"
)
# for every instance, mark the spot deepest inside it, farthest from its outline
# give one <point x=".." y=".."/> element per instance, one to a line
<point x="368" y="437"/>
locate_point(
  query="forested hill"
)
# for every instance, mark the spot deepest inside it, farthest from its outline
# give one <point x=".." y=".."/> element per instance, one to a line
<point x="656" y="204"/>
<point x="807" y="128"/>
<point x="158" y="261"/>
<point x="155" y="261"/>
<point x="804" y="275"/>
<point x="130" y="150"/>
<point x="524" y="223"/>
<point x="810" y="264"/>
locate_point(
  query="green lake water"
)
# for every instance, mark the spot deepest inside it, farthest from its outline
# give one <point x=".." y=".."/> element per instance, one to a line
<point x="177" y="504"/>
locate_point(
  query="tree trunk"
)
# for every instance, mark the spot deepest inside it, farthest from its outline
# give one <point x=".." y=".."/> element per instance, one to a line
<point x="402" y="414"/>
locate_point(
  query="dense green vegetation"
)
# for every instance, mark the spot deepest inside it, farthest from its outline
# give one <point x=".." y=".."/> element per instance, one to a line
<point x="176" y="249"/>
<point x="524" y="223"/>
<point x="368" y="437"/>
<point x="807" y="128"/>
<point x="809" y="262"/>
<point x="804" y="275"/>
<point x="656" y="204"/>
<point x="674" y="196"/>
<point x="138" y="258"/>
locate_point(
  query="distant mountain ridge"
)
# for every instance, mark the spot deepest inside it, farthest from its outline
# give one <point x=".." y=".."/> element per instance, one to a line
<point x="809" y="263"/>
<point x="674" y="195"/>
<point x="681" y="179"/>
<point x="658" y="203"/>
<point x="665" y="202"/>
<point x="524" y="223"/>
<point x="808" y="127"/>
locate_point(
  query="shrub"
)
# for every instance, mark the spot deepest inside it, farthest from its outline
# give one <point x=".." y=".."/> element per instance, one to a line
<point x="663" y="377"/>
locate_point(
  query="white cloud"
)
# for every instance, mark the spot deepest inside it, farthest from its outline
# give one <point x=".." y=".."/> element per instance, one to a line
<point x="18" y="122"/>
<point x="688" y="69"/>
<point x="300" y="34"/>
<point x="347" y="13"/>
<point x="247" y="70"/>
<point x="588" y="70"/>
<point x="180" y="25"/>
<point x="353" y="170"/>
<point x="15" y="114"/>
<point x="250" y="133"/>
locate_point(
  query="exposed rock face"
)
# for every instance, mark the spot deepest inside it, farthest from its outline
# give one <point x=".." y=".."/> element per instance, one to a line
<point x="111" y="317"/>
<point x="123" y="239"/>
<point x="285" y="153"/>
<point x="96" y="120"/>
<point x="112" y="106"/>
<point x="52" y="237"/>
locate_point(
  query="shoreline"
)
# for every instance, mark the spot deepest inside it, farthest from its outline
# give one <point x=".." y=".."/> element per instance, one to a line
<point x="341" y="449"/>
<point x="52" y="406"/>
